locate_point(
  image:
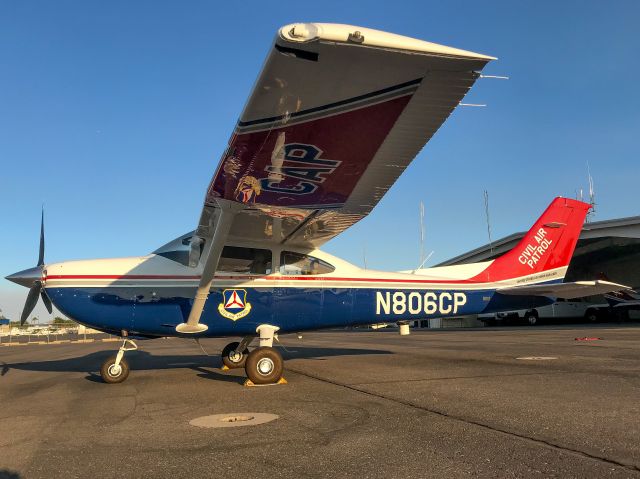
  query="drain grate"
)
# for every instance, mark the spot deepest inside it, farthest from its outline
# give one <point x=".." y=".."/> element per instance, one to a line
<point x="233" y="420"/>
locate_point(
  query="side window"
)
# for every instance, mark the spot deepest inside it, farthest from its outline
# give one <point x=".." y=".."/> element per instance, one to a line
<point x="301" y="264"/>
<point x="238" y="260"/>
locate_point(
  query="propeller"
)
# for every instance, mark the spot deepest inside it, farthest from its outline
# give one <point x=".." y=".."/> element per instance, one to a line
<point x="32" y="279"/>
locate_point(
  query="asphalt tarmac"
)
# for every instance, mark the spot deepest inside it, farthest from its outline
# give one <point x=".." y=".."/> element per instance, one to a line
<point x="357" y="404"/>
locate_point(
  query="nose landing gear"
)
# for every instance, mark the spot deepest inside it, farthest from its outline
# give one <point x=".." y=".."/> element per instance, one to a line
<point x="115" y="369"/>
<point x="234" y="355"/>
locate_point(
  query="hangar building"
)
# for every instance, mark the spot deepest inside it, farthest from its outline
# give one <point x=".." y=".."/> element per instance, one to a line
<point x="611" y="247"/>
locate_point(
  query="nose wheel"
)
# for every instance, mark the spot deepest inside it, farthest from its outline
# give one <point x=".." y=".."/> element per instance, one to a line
<point x="115" y="369"/>
<point x="112" y="372"/>
<point x="234" y="355"/>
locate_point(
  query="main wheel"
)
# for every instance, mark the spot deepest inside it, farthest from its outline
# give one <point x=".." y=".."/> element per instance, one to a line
<point x="112" y="374"/>
<point x="232" y="358"/>
<point x="591" y="315"/>
<point x="264" y="365"/>
<point x="531" y="317"/>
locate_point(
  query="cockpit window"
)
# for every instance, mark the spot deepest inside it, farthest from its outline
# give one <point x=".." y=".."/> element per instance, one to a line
<point x="238" y="260"/>
<point x="301" y="264"/>
<point x="234" y="259"/>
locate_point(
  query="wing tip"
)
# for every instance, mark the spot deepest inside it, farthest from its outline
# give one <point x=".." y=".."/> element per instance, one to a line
<point x="308" y="32"/>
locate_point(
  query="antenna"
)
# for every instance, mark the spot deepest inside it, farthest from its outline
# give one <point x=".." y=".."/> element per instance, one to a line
<point x="592" y="196"/>
<point x="486" y="212"/>
<point x="422" y="233"/>
<point x="364" y="253"/>
<point x="422" y="264"/>
<point x="423" y="260"/>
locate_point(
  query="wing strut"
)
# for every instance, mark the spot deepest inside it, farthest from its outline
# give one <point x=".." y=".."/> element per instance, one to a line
<point x="228" y="210"/>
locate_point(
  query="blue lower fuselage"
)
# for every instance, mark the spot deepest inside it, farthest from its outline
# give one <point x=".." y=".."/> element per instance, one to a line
<point x="156" y="311"/>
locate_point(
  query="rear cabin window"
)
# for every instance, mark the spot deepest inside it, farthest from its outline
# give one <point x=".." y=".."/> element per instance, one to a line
<point x="301" y="264"/>
<point x="236" y="260"/>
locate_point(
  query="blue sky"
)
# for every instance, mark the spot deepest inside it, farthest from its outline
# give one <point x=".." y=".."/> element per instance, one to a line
<point x="114" y="115"/>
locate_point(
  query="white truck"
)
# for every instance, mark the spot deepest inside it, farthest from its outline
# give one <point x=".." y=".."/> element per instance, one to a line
<point x="579" y="308"/>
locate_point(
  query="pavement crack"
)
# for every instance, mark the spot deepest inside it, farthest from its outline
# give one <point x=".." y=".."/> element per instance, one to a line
<point x="448" y="378"/>
<point x="533" y="440"/>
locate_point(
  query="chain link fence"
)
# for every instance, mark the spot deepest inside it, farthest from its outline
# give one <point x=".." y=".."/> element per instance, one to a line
<point x="49" y="333"/>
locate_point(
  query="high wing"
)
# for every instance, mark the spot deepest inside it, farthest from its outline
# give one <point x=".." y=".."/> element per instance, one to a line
<point x="336" y="115"/>
<point x="577" y="289"/>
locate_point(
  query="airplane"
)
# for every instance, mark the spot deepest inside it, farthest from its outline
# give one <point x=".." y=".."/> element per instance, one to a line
<point x="629" y="298"/>
<point x="336" y="115"/>
<point x="624" y="299"/>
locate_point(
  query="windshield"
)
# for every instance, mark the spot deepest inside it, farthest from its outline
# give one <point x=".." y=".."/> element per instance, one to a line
<point x="177" y="250"/>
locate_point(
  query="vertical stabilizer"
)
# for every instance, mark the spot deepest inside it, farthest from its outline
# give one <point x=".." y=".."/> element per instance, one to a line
<point x="546" y="248"/>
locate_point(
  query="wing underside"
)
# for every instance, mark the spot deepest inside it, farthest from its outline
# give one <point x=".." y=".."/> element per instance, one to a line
<point x="334" y="118"/>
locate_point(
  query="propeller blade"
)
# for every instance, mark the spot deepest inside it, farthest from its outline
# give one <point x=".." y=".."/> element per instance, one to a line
<point x="41" y="255"/>
<point x="30" y="303"/>
<point x="46" y="301"/>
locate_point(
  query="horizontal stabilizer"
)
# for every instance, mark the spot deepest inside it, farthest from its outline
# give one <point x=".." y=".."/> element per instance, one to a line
<point x="564" y="290"/>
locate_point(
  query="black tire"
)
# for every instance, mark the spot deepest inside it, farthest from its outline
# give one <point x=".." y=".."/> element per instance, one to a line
<point x="531" y="318"/>
<point x="264" y="366"/>
<point x="110" y="375"/>
<point x="591" y="316"/>
<point x="240" y="359"/>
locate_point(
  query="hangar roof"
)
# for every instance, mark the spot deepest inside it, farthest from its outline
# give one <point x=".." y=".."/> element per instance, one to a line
<point x="620" y="228"/>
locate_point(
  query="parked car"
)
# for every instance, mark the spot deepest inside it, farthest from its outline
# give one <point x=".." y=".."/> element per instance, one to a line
<point x="579" y="308"/>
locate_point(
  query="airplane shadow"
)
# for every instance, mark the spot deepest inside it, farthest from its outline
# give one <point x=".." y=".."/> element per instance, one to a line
<point x="142" y="360"/>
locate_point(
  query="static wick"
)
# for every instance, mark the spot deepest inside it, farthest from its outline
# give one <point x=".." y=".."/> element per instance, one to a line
<point x="473" y="104"/>
<point x="496" y="77"/>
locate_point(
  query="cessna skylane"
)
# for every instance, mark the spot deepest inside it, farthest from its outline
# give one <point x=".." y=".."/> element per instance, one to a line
<point x="336" y="115"/>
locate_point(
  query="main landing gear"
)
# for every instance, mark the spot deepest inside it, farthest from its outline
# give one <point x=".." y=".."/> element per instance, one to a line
<point x="116" y="369"/>
<point x="263" y="365"/>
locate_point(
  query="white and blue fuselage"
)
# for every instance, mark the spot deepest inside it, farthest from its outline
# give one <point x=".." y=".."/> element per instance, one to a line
<point x="295" y="290"/>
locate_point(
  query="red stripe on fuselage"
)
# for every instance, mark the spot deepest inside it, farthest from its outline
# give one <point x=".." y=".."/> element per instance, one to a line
<point x="268" y="278"/>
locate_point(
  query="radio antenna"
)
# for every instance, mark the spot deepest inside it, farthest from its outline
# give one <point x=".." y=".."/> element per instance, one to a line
<point x="364" y="253"/>
<point x="592" y="196"/>
<point x="421" y="233"/>
<point x="422" y="264"/>
<point x="486" y="212"/>
<point x="423" y="259"/>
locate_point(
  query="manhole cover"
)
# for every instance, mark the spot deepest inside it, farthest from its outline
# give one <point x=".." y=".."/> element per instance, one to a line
<point x="537" y="358"/>
<point x="233" y="420"/>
